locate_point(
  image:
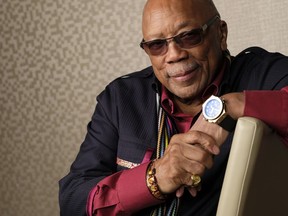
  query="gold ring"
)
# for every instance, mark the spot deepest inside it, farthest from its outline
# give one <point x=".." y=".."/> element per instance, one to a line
<point x="196" y="179"/>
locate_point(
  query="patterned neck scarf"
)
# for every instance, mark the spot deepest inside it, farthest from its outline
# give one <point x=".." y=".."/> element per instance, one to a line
<point x="165" y="132"/>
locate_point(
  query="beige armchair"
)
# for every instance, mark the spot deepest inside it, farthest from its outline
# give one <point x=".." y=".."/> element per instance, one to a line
<point x="256" y="179"/>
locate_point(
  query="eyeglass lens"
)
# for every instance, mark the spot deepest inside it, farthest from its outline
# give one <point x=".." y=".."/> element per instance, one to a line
<point x="185" y="40"/>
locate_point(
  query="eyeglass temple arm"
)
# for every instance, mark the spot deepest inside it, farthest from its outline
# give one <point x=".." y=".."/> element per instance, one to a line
<point x="210" y="22"/>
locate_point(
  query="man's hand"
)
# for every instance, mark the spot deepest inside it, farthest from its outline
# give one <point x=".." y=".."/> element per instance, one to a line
<point x="187" y="154"/>
<point x="192" y="152"/>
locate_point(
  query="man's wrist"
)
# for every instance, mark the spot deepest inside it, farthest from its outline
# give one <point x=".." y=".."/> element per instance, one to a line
<point x="235" y="104"/>
<point x="214" y="111"/>
<point x="152" y="183"/>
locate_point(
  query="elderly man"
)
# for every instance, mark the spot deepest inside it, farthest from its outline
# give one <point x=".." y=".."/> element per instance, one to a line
<point x="159" y="139"/>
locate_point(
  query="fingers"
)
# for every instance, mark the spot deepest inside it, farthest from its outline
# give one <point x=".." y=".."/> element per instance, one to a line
<point x="187" y="154"/>
<point x="193" y="191"/>
<point x="180" y="192"/>
<point x="197" y="138"/>
<point x="204" y="140"/>
<point x="195" y="146"/>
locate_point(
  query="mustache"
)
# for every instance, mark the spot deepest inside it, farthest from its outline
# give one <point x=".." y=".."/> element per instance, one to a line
<point x="181" y="68"/>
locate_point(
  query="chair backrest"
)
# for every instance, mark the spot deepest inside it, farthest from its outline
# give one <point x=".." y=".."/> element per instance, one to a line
<point x="256" y="178"/>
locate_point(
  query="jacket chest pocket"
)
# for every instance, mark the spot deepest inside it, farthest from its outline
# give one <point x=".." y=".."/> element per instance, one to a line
<point x="132" y="152"/>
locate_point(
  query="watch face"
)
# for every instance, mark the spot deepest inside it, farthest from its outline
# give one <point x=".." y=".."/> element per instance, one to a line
<point x="213" y="108"/>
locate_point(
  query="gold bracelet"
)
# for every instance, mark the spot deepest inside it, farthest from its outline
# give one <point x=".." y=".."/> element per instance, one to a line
<point x="152" y="184"/>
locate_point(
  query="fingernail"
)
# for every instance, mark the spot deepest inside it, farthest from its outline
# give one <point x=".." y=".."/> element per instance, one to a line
<point x="216" y="150"/>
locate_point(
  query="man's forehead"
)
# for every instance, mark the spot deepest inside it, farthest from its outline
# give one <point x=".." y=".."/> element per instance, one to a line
<point x="173" y="15"/>
<point x="165" y="8"/>
<point x="174" y="5"/>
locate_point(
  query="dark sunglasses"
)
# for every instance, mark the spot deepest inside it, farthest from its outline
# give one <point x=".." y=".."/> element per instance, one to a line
<point x="185" y="40"/>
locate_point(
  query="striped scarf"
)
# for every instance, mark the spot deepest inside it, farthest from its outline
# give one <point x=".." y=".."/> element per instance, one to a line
<point x="165" y="132"/>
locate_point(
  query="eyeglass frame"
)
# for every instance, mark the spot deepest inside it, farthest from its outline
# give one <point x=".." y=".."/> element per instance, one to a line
<point x="176" y="38"/>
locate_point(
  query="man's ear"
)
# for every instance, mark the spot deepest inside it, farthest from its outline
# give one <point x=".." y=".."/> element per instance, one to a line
<point x="223" y="32"/>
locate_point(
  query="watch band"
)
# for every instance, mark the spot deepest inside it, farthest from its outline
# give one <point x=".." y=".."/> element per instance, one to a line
<point x="228" y="123"/>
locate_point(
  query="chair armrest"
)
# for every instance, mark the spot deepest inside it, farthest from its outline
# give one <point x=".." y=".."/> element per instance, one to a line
<point x="256" y="178"/>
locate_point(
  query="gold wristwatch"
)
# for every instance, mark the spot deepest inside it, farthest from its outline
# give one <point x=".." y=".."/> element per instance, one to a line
<point x="214" y="111"/>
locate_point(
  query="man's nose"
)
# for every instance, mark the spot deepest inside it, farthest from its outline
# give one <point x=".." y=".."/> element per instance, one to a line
<point x="175" y="53"/>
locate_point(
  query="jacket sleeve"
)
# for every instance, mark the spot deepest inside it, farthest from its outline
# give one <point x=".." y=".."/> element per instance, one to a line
<point x="96" y="159"/>
<point x="264" y="80"/>
<point x="116" y="130"/>
<point x="271" y="107"/>
<point x="122" y="193"/>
